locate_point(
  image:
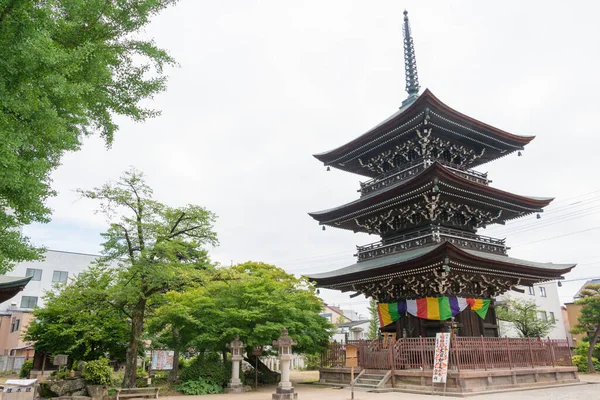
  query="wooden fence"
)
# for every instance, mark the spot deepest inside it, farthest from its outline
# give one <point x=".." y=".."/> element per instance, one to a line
<point x="465" y="353"/>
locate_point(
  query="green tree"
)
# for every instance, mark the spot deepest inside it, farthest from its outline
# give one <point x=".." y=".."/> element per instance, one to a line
<point x="80" y="319"/>
<point x="589" y="318"/>
<point x="256" y="301"/>
<point x="67" y="68"/>
<point x="524" y="317"/>
<point x="373" y="320"/>
<point x="158" y="249"/>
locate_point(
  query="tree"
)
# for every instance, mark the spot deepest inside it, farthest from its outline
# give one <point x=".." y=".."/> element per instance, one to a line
<point x="254" y="300"/>
<point x="67" y="68"/>
<point x="80" y="320"/>
<point x="589" y="318"/>
<point x="373" y="320"/>
<point x="524" y="317"/>
<point x="158" y="249"/>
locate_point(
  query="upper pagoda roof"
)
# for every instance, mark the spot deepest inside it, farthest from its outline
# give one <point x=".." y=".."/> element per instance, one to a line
<point x="425" y="110"/>
<point x="450" y="184"/>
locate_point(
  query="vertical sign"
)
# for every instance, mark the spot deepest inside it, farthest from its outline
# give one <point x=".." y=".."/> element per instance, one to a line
<point x="440" y="359"/>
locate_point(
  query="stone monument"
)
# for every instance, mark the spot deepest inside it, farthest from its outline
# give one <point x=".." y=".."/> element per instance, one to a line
<point x="285" y="390"/>
<point x="235" y="385"/>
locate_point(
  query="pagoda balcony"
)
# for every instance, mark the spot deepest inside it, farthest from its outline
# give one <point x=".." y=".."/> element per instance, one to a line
<point x="408" y="170"/>
<point x="431" y="236"/>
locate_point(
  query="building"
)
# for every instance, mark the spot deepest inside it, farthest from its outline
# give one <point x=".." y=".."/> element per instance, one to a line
<point x="353" y="330"/>
<point x="430" y="271"/>
<point x="333" y="314"/>
<point x="15" y="312"/>
<point x="573" y="311"/>
<point x="545" y="295"/>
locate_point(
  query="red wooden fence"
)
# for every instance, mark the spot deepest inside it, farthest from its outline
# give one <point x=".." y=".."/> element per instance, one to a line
<point x="465" y="353"/>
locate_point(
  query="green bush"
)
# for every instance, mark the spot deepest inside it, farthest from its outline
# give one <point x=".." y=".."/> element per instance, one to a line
<point x="98" y="372"/>
<point x="581" y="362"/>
<point x="199" y="387"/>
<point x="210" y="368"/>
<point x="313" y="362"/>
<point x="26" y="369"/>
<point x="264" y="378"/>
<point x="582" y="348"/>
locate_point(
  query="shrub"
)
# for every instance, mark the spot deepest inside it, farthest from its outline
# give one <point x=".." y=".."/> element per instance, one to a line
<point x="98" y="372"/>
<point x="264" y="377"/>
<point x="581" y="363"/>
<point x="199" y="387"/>
<point x="209" y="368"/>
<point x="26" y="369"/>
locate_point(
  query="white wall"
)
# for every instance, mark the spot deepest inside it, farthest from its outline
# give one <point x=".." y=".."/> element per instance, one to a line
<point x="73" y="263"/>
<point x="550" y="303"/>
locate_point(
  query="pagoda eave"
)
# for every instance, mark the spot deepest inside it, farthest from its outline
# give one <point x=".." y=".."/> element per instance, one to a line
<point x="10" y="286"/>
<point x="437" y="183"/>
<point x="437" y="270"/>
<point x="409" y="118"/>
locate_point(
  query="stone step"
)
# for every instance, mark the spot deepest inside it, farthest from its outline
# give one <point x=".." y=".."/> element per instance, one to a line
<point x="368" y="381"/>
<point x="373" y="376"/>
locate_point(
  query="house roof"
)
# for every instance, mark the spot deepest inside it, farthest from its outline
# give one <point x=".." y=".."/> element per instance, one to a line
<point x="353" y="323"/>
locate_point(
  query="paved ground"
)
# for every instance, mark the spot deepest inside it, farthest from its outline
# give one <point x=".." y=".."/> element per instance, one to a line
<point x="313" y="392"/>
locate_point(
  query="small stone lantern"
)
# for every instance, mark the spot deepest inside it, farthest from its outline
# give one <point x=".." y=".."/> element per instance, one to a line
<point x="235" y="385"/>
<point x="285" y="390"/>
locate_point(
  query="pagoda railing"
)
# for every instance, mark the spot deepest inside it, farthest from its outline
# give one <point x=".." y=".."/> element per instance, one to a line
<point x="467" y="353"/>
<point x="408" y="170"/>
<point x="431" y="235"/>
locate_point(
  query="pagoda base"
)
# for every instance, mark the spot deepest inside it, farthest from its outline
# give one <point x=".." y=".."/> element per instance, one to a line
<point x="285" y="394"/>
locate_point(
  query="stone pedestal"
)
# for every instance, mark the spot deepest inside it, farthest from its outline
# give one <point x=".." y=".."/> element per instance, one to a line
<point x="285" y="390"/>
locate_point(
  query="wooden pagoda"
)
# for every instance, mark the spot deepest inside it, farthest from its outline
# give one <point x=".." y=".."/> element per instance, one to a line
<point x="426" y="203"/>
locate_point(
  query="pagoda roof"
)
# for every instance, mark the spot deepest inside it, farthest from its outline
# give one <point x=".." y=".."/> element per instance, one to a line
<point x="417" y="260"/>
<point x="10" y="286"/>
<point x="411" y="116"/>
<point x="450" y="183"/>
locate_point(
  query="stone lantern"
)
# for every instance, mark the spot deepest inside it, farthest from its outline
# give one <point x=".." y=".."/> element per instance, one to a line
<point x="235" y="385"/>
<point x="285" y="390"/>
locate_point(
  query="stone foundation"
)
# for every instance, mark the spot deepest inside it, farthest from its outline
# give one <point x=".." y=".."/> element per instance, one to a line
<point x="285" y="394"/>
<point x="235" y="388"/>
<point x="464" y="381"/>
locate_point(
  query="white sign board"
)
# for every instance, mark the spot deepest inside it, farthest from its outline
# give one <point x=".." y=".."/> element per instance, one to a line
<point x="19" y="389"/>
<point x="441" y="356"/>
<point x="162" y="359"/>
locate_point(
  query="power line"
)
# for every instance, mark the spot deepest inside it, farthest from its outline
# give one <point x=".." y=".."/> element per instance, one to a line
<point x="559" y="236"/>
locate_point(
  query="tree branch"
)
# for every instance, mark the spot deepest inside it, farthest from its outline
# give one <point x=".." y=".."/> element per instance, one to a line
<point x="7" y="10"/>
<point x="177" y="223"/>
<point x="130" y="248"/>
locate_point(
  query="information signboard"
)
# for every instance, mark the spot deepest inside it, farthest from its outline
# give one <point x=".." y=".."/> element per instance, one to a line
<point x="441" y="356"/>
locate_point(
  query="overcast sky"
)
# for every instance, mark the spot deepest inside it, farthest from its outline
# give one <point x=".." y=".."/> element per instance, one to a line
<point x="263" y="85"/>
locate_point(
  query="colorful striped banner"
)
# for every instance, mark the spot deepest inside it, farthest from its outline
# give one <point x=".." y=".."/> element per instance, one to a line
<point x="432" y="308"/>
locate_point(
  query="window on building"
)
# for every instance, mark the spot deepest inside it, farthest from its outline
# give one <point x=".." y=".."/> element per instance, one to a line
<point x="36" y="273"/>
<point x="60" y="276"/>
<point x="542" y="291"/>
<point x="552" y="318"/>
<point x="542" y="315"/>
<point x="531" y="291"/>
<point x="28" y="301"/>
<point x="15" y="325"/>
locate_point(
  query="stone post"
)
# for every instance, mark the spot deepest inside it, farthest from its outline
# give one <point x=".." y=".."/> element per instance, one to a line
<point x="235" y="385"/>
<point x="285" y="390"/>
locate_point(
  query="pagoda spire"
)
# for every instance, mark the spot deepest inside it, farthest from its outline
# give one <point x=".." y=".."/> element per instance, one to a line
<point x="410" y="61"/>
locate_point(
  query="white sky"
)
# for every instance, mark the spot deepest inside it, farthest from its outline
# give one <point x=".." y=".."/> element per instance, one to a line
<point x="263" y="85"/>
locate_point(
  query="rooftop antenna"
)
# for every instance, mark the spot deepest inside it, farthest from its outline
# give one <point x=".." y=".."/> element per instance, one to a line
<point x="410" y="62"/>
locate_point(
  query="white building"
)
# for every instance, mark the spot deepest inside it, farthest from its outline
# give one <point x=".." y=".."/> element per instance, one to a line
<point x="58" y="267"/>
<point x="353" y="330"/>
<point x="547" y="299"/>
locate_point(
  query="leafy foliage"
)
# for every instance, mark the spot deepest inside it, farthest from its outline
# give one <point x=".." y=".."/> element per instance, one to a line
<point x="373" y="320"/>
<point x="98" y="372"/>
<point x="81" y="320"/>
<point x="254" y="300"/>
<point x="581" y="362"/>
<point x="199" y="387"/>
<point x="589" y="318"/>
<point x="524" y="316"/>
<point x="26" y="369"/>
<point x="210" y="368"/>
<point x="68" y="68"/>
<point x="158" y="249"/>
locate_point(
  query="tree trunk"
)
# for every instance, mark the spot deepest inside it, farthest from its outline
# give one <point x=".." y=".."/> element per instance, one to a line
<point x="137" y="327"/>
<point x="591" y="349"/>
<point x="175" y="370"/>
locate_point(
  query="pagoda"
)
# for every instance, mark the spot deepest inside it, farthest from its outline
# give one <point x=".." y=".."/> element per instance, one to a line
<point x="426" y="202"/>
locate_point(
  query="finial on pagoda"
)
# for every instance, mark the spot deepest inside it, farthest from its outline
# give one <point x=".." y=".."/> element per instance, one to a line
<point x="410" y="61"/>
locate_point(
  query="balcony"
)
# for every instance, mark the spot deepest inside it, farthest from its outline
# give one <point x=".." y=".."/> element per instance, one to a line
<point x="411" y="169"/>
<point x="429" y="236"/>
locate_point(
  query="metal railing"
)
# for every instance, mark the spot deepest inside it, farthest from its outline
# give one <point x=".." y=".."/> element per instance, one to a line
<point x="465" y="353"/>
<point x="431" y="235"/>
<point x="412" y="168"/>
